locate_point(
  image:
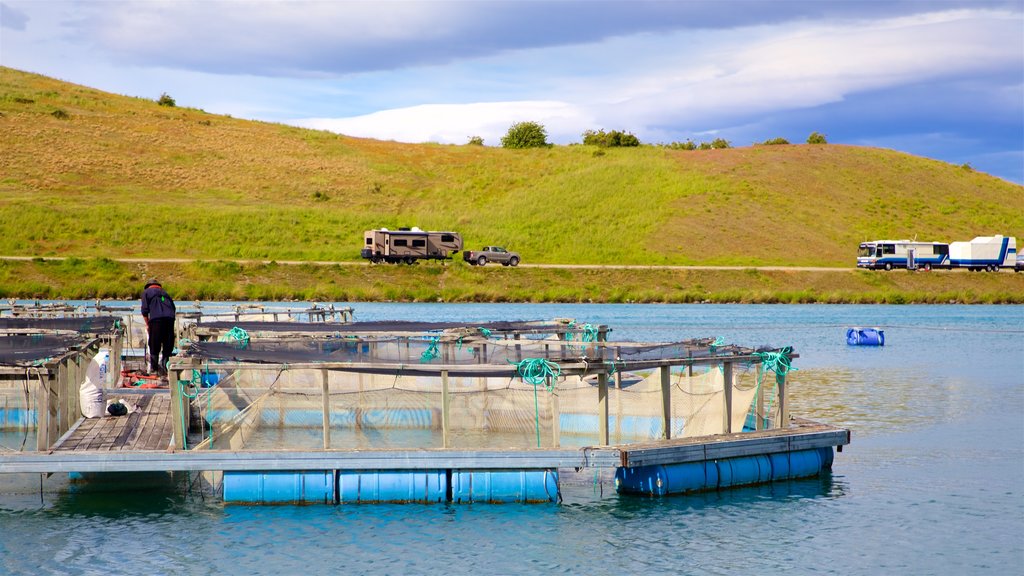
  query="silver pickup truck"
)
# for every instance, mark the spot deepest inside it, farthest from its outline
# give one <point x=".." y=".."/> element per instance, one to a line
<point x="491" y="254"/>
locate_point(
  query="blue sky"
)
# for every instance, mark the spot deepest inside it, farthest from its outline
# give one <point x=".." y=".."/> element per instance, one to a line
<point x="942" y="79"/>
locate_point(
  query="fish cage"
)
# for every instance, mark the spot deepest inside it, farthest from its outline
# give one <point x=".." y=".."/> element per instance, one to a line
<point x="40" y="378"/>
<point x="495" y="386"/>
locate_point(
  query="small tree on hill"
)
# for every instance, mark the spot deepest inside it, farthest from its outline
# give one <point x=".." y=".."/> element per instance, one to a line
<point x="721" y="143"/>
<point x="614" y="138"/>
<point x="775" y="142"/>
<point x="525" y="135"/>
<point x="476" y="141"/>
<point x="816" y="138"/>
<point x="166" y="100"/>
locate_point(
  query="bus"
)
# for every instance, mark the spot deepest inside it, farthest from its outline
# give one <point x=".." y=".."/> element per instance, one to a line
<point x="889" y="254"/>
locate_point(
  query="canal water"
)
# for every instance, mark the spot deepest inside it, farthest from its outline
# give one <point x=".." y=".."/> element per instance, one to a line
<point x="933" y="482"/>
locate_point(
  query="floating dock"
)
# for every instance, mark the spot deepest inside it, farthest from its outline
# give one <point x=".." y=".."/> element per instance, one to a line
<point x="289" y="412"/>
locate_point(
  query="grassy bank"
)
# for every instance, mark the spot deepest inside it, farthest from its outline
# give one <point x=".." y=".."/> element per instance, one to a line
<point x="457" y="282"/>
<point x="87" y="173"/>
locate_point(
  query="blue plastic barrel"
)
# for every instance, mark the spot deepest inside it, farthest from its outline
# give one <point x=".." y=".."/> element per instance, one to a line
<point x="682" y="478"/>
<point x="505" y="486"/>
<point x="397" y="486"/>
<point x="865" y="337"/>
<point x="280" y="487"/>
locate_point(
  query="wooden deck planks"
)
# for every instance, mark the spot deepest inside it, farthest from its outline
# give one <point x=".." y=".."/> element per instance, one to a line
<point x="145" y="429"/>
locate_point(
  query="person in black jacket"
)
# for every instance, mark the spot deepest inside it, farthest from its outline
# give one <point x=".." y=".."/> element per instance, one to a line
<point x="158" y="312"/>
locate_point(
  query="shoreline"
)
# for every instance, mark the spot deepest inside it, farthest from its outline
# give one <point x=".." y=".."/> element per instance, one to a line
<point x="101" y="278"/>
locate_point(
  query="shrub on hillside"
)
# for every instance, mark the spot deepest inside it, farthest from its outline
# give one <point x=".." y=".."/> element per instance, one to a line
<point x="775" y="142"/>
<point x="166" y="100"/>
<point x="475" y="141"/>
<point x="719" y="143"/>
<point x="688" y="145"/>
<point x="614" y="138"/>
<point x="60" y="114"/>
<point x="816" y="138"/>
<point x="525" y="135"/>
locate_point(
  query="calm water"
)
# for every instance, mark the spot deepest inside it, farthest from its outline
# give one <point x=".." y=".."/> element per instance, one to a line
<point x="933" y="482"/>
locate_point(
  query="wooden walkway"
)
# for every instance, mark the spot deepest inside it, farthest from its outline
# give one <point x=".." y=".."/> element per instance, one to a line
<point x="148" y="428"/>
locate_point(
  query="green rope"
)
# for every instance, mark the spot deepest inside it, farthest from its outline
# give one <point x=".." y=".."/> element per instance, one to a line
<point x="537" y="371"/>
<point x="236" y="334"/>
<point x="589" y="333"/>
<point x="486" y="333"/>
<point x="719" y="341"/>
<point x="431" y="352"/>
<point x="778" y="362"/>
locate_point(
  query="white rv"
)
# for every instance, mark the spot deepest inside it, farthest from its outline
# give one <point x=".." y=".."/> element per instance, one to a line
<point x="984" y="253"/>
<point x="889" y="254"/>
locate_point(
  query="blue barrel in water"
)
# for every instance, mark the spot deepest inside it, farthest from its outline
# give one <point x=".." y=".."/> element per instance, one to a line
<point x="273" y="487"/>
<point x="396" y="486"/>
<point x="504" y="486"/>
<point x="865" y="337"/>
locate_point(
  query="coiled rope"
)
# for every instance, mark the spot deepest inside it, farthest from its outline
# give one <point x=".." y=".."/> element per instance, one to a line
<point x="236" y="334"/>
<point x="537" y="371"/>
<point x="431" y="352"/>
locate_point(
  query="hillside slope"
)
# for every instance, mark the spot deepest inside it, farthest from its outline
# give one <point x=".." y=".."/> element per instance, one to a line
<point x="88" y="173"/>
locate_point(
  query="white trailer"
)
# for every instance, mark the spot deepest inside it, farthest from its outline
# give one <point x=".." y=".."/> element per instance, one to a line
<point x="984" y="253"/>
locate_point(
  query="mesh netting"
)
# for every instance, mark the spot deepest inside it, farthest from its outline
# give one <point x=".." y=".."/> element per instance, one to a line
<point x="284" y="409"/>
<point x="412" y="355"/>
<point x="82" y="324"/>
<point x="29" y="349"/>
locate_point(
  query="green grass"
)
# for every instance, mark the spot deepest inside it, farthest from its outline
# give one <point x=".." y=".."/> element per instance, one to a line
<point x="124" y="177"/>
<point x="458" y="282"/>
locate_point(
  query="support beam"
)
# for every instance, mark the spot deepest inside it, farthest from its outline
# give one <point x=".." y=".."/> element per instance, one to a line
<point x="602" y="408"/>
<point x="324" y="377"/>
<point x="727" y="388"/>
<point x="666" y="400"/>
<point x="556" y="424"/>
<point x="178" y="410"/>
<point x="759" y="399"/>
<point x="445" y="407"/>
<point x="783" y="408"/>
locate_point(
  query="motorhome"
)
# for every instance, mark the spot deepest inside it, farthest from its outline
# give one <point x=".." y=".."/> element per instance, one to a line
<point x="409" y="245"/>
<point x="889" y="254"/>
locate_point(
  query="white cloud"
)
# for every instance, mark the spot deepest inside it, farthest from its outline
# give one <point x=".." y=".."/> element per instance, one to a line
<point x="455" y="124"/>
<point x="774" y="69"/>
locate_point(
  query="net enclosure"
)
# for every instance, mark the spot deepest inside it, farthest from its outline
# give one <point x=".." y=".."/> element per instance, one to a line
<point x="448" y="385"/>
<point x="76" y="324"/>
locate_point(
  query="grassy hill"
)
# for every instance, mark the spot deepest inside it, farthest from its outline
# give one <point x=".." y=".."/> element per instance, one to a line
<point x="95" y="175"/>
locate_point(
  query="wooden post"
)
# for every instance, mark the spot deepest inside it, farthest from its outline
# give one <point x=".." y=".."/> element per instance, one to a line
<point x="43" y="408"/>
<point x="324" y="376"/>
<point x="689" y="367"/>
<point x="727" y="388"/>
<point x="602" y="407"/>
<point x="53" y="424"/>
<point x="618" y="372"/>
<point x="519" y="349"/>
<point x="178" y="412"/>
<point x="445" y="405"/>
<point x="783" y="409"/>
<point x="556" y="425"/>
<point x="666" y="400"/>
<point x="759" y="399"/>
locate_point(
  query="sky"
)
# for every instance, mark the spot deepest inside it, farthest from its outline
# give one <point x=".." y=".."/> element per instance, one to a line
<point x="942" y="79"/>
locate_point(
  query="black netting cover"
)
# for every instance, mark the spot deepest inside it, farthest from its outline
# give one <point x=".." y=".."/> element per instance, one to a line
<point x="27" y="349"/>
<point x="390" y="326"/>
<point x="82" y="325"/>
<point x="412" y="352"/>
